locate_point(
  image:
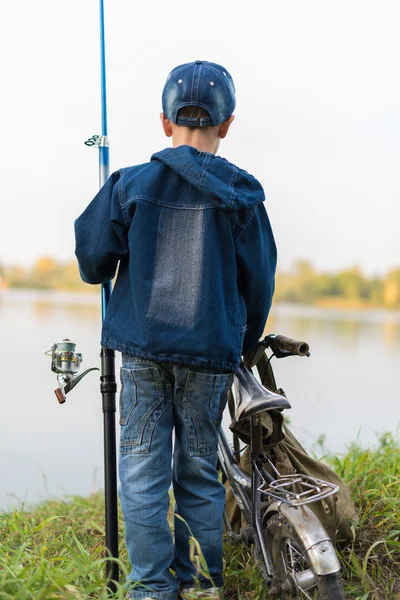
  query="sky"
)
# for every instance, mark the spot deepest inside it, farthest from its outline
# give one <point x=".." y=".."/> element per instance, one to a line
<point x="317" y="118"/>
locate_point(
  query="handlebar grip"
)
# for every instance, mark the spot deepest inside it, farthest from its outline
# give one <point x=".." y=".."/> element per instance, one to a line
<point x="285" y="344"/>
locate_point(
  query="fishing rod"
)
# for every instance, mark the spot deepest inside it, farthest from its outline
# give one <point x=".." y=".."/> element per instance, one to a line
<point x="108" y="386"/>
<point x="66" y="361"/>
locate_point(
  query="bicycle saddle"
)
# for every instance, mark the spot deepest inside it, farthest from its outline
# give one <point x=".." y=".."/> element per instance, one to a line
<point x="252" y="397"/>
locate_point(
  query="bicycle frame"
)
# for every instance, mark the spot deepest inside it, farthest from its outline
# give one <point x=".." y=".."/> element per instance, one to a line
<point x="246" y="490"/>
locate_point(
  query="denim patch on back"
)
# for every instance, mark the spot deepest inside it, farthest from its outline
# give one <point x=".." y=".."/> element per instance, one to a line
<point x="178" y="267"/>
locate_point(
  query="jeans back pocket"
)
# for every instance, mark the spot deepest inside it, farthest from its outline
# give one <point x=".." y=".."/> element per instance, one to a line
<point x="142" y="403"/>
<point x="203" y="401"/>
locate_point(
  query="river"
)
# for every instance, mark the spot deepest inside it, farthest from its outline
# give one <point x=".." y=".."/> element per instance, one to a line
<point x="347" y="390"/>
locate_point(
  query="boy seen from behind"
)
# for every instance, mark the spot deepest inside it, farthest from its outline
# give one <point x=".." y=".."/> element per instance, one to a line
<point x="195" y="281"/>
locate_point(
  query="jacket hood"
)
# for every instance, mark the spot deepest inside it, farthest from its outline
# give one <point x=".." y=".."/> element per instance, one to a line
<point x="214" y="176"/>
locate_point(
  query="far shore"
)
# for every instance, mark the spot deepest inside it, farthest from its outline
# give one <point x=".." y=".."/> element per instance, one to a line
<point x="91" y="297"/>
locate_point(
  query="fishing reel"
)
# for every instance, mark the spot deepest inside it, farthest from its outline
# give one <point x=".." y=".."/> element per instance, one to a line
<point x="66" y="363"/>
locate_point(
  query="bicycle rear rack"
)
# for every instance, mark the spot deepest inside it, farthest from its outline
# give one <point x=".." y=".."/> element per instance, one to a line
<point x="306" y="489"/>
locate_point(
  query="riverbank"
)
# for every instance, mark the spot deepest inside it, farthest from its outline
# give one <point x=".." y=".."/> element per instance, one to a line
<point x="56" y="551"/>
<point x="302" y="284"/>
<point x="90" y="297"/>
<point x="90" y="294"/>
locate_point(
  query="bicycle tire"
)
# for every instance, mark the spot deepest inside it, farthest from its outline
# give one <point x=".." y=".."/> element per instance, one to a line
<point x="294" y="574"/>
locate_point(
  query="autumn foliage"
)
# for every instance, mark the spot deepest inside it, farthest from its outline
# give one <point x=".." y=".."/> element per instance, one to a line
<point x="302" y="284"/>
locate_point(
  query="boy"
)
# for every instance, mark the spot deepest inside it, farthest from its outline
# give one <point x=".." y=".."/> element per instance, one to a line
<point x="195" y="281"/>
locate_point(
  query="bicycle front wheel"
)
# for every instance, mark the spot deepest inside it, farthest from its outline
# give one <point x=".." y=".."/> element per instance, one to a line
<point x="294" y="575"/>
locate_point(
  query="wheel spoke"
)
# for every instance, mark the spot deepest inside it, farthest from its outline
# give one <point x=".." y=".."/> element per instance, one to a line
<point x="283" y="559"/>
<point x="291" y="558"/>
<point x="289" y="546"/>
<point x="295" y="578"/>
<point x="306" y="595"/>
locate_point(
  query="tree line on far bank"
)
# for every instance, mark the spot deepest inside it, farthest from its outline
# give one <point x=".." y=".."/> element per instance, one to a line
<point x="301" y="284"/>
<point x="45" y="274"/>
<point x="347" y="288"/>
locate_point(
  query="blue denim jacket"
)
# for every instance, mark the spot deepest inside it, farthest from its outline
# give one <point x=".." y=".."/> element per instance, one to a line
<point x="196" y="258"/>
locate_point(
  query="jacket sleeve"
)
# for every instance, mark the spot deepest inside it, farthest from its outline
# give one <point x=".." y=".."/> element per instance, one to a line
<point x="100" y="234"/>
<point x="256" y="259"/>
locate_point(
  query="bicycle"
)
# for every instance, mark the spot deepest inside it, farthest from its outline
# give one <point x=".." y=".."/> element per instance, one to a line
<point x="294" y="554"/>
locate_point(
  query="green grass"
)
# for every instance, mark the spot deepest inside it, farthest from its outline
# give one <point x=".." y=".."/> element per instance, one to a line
<point x="372" y="564"/>
<point x="56" y="550"/>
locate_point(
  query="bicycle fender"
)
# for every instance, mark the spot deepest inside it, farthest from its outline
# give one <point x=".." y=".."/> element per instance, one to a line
<point x="320" y="551"/>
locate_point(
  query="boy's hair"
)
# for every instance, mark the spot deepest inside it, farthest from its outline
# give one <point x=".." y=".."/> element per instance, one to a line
<point x="193" y="112"/>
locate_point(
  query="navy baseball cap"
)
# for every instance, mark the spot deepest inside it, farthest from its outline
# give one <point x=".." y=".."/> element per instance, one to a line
<point x="199" y="83"/>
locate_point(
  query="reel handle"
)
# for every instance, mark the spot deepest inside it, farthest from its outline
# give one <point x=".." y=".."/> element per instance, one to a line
<point x="60" y="396"/>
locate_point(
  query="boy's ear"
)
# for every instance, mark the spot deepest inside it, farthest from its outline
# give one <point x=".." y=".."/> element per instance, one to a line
<point x="224" y="127"/>
<point x="166" y="125"/>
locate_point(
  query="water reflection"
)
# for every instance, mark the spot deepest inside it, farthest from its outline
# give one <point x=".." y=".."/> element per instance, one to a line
<point x="391" y="334"/>
<point x="368" y="326"/>
<point x="42" y="310"/>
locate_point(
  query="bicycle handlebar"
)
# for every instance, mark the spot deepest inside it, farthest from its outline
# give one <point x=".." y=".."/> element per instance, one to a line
<point x="283" y="346"/>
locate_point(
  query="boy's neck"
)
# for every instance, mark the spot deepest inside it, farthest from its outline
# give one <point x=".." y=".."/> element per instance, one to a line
<point x="204" y="141"/>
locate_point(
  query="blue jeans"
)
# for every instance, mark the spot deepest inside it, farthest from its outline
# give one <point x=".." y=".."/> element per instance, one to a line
<point x="157" y="398"/>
